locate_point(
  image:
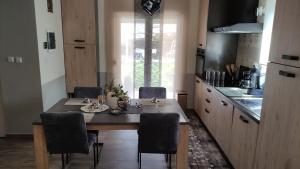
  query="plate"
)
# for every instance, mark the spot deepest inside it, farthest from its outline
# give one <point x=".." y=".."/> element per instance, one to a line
<point x="90" y="109"/>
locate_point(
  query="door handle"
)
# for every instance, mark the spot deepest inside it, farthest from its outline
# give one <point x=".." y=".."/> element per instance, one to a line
<point x="287" y="74"/>
<point x="206" y="111"/>
<point x="79" y="40"/>
<point x="79" y="47"/>
<point x="244" y="119"/>
<point x="290" y="57"/>
<point x="224" y="103"/>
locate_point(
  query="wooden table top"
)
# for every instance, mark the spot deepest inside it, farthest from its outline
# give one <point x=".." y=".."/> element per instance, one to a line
<point x="132" y="116"/>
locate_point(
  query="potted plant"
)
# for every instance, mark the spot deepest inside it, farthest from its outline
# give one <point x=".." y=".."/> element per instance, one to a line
<point x="116" y="97"/>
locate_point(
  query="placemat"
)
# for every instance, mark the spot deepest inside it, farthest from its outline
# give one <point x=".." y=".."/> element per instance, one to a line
<point x="77" y="102"/>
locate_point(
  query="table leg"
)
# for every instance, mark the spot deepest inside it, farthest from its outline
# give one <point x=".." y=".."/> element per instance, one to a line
<point x="182" y="149"/>
<point x="40" y="148"/>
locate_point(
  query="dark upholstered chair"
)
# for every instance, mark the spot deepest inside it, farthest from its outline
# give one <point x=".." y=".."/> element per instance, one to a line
<point x="87" y="92"/>
<point x="158" y="134"/>
<point x="66" y="134"/>
<point x="150" y="92"/>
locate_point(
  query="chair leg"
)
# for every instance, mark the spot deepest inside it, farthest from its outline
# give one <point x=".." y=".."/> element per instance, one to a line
<point x="97" y="148"/>
<point x="140" y="159"/>
<point x="166" y="157"/>
<point x="62" y="161"/>
<point x="95" y="158"/>
<point x="170" y="161"/>
<point x="67" y="158"/>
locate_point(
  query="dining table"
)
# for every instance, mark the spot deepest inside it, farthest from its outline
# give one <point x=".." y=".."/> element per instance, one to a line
<point x="125" y="120"/>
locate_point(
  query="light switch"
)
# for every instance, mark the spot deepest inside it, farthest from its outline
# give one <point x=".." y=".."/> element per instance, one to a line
<point x="19" y="60"/>
<point x="10" y="59"/>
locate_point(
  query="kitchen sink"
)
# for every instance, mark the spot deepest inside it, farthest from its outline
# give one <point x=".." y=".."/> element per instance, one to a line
<point x="239" y="92"/>
<point x="253" y="104"/>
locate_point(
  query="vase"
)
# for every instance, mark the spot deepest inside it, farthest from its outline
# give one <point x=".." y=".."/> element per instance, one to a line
<point x="112" y="102"/>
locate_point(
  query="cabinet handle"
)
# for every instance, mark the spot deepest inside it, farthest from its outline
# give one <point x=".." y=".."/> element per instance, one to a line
<point x="206" y="111"/>
<point x="79" y="47"/>
<point x="208" y="90"/>
<point x="208" y="101"/>
<point x="197" y="81"/>
<point x="224" y="103"/>
<point x="290" y="57"/>
<point x="287" y="74"/>
<point x="244" y="119"/>
<point x="79" y="40"/>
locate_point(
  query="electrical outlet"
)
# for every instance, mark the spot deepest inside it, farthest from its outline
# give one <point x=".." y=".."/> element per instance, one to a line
<point x="10" y="59"/>
<point x="19" y="60"/>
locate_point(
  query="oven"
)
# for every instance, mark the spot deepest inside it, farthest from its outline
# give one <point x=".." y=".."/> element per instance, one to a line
<point x="200" y="61"/>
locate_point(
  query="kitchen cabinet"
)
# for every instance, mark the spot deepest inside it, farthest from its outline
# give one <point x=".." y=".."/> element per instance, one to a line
<point x="208" y="113"/>
<point x="207" y="117"/>
<point x="79" y="31"/>
<point x="235" y="132"/>
<point x="243" y="141"/>
<point x="197" y="97"/>
<point x="80" y="65"/>
<point x="286" y="34"/>
<point x="79" y="21"/>
<point x="279" y="136"/>
<point x="203" y="16"/>
<point x="216" y="112"/>
<point x="224" y="114"/>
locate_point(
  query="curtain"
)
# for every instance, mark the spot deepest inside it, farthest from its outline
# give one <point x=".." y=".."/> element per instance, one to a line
<point x="144" y="50"/>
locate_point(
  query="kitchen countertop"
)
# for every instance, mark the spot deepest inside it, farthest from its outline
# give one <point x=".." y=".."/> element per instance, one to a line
<point x="248" y="104"/>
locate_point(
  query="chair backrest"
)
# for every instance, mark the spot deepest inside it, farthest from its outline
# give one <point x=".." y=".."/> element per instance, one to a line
<point x="65" y="132"/>
<point x="158" y="133"/>
<point x="150" y="92"/>
<point x="87" y="92"/>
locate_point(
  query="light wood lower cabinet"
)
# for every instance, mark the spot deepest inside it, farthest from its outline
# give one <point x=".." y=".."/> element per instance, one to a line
<point x="197" y="98"/>
<point x="235" y="132"/>
<point x="278" y="144"/>
<point x="224" y="113"/>
<point x="208" y="114"/>
<point x="243" y="141"/>
<point x="80" y="66"/>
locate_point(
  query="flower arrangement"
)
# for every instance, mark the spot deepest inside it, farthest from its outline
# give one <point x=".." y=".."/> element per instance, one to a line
<point x="117" y="93"/>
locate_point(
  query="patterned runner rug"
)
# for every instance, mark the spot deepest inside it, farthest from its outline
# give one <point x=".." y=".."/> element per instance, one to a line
<point x="203" y="151"/>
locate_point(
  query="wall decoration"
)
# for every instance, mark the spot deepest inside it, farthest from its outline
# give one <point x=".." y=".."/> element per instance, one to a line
<point x="151" y="6"/>
<point x="50" y="6"/>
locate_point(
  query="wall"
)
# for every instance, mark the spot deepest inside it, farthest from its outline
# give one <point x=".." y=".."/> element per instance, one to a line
<point x="51" y="61"/>
<point x="2" y="124"/>
<point x="20" y="83"/>
<point x="191" y="51"/>
<point x="101" y="42"/>
<point x="248" y="52"/>
<point x="268" y="27"/>
<point x="254" y="48"/>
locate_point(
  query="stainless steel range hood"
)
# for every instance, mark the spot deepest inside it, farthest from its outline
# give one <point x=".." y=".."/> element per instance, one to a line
<point x="240" y="28"/>
<point x="243" y="14"/>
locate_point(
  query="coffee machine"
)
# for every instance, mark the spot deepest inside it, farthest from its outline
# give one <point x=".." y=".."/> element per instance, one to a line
<point x="250" y="79"/>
